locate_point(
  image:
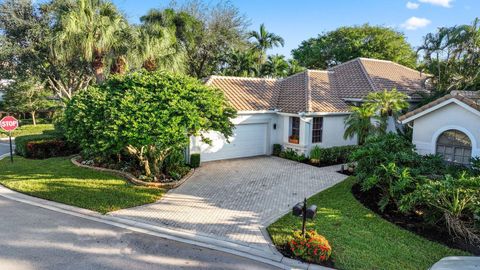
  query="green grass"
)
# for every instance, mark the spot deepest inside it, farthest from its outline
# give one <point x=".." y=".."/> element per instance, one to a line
<point x="361" y="239"/>
<point x="57" y="179"/>
<point x="28" y="130"/>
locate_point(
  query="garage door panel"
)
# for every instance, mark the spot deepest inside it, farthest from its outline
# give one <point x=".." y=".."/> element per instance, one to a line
<point x="248" y="140"/>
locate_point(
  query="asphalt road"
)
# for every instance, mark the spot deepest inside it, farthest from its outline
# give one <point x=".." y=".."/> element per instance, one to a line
<point x="4" y="148"/>
<point x="37" y="238"/>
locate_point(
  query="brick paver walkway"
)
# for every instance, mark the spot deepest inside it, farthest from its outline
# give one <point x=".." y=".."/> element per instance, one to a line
<point x="232" y="200"/>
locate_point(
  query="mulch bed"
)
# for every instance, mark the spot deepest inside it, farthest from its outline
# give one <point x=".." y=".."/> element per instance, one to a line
<point x="412" y="222"/>
<point x="285" y="250"/>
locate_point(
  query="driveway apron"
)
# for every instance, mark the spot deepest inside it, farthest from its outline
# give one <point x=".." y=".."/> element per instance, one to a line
<point x="234" y="200"/>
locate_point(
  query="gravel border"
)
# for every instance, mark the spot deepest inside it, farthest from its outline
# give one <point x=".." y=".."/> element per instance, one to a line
<point x="133" y="179"/>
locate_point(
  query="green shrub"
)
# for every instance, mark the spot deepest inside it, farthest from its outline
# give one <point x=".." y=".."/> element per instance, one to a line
<point x="457" y="200"/>
<point x="476" y="165"/>
<point x="292" y="155"/>
<point x="145" y="114"/>
<point x="44" y="146"/>
<point x="277" y="149"/>
<point x="382" y="161"/>
<point x="195" y="160"/>
<point x="332" y="155"/>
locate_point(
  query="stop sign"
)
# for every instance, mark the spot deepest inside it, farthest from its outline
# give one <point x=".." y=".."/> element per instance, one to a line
<point x="9" y="123"/>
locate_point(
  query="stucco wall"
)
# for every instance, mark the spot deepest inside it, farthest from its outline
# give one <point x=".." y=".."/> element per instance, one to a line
<point x="427" y="128"/>
<point x="333" y="130"/>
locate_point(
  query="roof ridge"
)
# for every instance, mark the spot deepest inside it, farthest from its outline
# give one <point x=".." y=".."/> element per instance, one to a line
<point x="319" y="70"/>
<point x="369" y="79"/>
<point x="242" y="78"/>
<point x="308" y="92"/>
<point x="344" y="63"/>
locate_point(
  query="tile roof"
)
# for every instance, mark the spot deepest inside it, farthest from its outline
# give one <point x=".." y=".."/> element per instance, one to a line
<point x="319" y="91"/>
<point x="471" y="98"/>
<point x="247" y="94"/>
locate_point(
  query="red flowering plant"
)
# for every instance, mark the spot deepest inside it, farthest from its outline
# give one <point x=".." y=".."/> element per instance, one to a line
<point x="311" y="248"/>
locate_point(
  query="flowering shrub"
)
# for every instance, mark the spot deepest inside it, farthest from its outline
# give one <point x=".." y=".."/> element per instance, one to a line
<point x="311" y="248"/>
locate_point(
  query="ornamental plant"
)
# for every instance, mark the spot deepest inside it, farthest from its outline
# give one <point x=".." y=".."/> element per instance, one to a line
<point x="148" y="115"/>
<point x="311" y="248"/>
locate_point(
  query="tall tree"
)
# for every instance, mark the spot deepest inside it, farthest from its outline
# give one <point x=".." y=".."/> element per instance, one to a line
<point x="220" y="30"/>
<point x="264" y="40"/>
<point x="242" y="63"/>
<point x="452" y="56"/>
<point x="90" y="27"/>
<point x="27" y="36"/>
<point x="275" y="66"/>
<point x="27" y="96"/>
<point x="346" y="43"/>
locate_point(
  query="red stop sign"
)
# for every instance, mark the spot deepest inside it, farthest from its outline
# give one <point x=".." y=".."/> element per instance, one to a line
<point x="9" y="123"/>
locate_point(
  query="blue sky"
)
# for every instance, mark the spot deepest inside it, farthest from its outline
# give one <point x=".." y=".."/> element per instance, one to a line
<point x="297" y="20"/>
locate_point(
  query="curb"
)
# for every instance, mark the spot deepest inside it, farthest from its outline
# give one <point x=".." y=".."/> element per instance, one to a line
<point x="274" y="258"/>
<point x="133" y="179"/>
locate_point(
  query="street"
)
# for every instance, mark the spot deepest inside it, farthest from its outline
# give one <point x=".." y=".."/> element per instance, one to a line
<point x="4" y="147"/>
<point x="37" y="238"/>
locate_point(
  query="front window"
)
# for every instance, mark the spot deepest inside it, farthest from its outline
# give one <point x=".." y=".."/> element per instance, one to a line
<point x="294" y="130"/>
<point x="455" y="147"/>
<point x="317" y="130"/>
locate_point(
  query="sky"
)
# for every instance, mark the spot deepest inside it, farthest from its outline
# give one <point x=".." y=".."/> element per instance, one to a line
<point x="298" y="20"/>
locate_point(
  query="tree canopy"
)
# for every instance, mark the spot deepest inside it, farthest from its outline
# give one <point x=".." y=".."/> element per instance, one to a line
<point x="146" y="114"/>
<point x="452" y="56"/>
<point x="346" y="43"/>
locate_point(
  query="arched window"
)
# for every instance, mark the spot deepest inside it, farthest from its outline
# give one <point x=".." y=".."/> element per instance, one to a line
<point x="455" y="146"/>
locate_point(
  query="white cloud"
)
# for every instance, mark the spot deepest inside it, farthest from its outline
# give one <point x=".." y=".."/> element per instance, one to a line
<point x="414" y="23"/>
<point x="442" y="3"/>
<point x="411" y="5"/>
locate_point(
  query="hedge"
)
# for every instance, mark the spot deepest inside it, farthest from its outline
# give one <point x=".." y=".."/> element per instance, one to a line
<point x="332" y="155"/>
<point x="44" y="146"/>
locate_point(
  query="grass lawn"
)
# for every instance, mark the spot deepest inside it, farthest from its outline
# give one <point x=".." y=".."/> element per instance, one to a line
<point x="28" y="130"/>
<point x="57" y="179"/>
<point x="360" y="239"/>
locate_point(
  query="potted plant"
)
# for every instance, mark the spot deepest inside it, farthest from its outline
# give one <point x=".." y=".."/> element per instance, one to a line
<point x="293" y="139"/>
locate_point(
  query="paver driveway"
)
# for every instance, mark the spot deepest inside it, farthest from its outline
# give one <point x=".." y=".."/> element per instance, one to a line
<point x="233" y="200"/>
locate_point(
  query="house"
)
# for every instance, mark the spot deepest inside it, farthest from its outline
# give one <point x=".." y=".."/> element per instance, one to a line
<point x="448" y="126"/>
<point x="301" y="111"/>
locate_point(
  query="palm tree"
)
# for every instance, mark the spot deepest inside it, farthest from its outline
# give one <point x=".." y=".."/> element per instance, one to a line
<point x="360" y="123"/>
<point x="265" y="40"/>
<point x="158" y="45"/>
<point x="241" y="63"/>
<point x="91" y="27"/>
<point x="388" y="104"/>
<point x="276" y="66"/>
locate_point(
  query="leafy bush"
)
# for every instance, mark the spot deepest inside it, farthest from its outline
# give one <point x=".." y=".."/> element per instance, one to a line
<point x="476" y="165"/>
<point x="147" y="115"/>
<point x="332" y="155"/>
<point x="384" y="162"/>
<point x="195" y="160"/>
<point x="277" y="149"/>
<point x="311" y="248"/>
<point x="456" y="199"/>
<point x="44" y="146"/>
<point x="292" y="155"/>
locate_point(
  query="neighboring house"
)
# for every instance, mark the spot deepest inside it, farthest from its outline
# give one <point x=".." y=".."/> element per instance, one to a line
<point x="303" y="110"/>
<point x="448" y="126"/>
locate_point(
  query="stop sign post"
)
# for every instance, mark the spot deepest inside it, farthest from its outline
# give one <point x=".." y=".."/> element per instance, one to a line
<point x="9" y="124"/>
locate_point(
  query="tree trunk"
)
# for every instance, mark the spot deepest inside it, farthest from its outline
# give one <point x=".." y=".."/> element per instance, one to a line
<point x="33" y="118"/>
<point x="142" y="158"/>
<point x="119" y="66"/>
<point x="98" y="66"/>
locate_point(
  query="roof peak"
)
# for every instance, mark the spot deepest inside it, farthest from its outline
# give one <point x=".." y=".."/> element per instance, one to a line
<point x="242" y="78"/>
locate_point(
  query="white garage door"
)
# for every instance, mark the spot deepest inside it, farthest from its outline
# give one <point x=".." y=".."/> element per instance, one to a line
<point x="248" y="140"/>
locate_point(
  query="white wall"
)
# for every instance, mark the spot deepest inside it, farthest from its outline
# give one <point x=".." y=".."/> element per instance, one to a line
<point x="333" y="130"/>
<point x="427" y="128"/>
